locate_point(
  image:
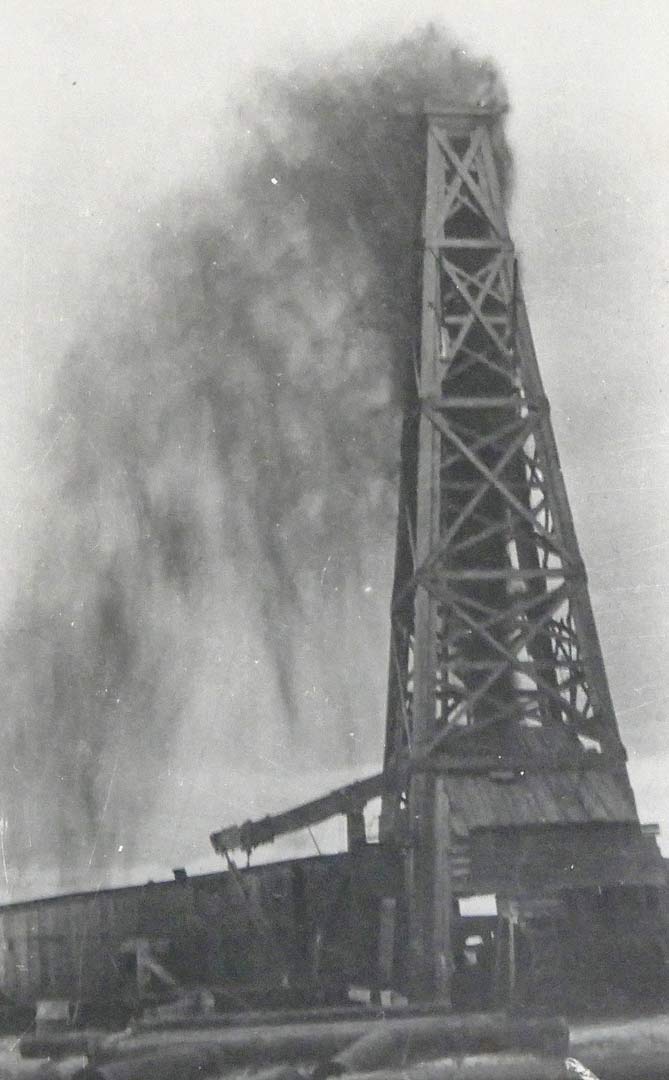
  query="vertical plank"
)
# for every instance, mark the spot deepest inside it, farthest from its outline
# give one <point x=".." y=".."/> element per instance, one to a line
<point x="442" y="893"/>
<point x="386" y="948"/>
<point x="421" y="809"/>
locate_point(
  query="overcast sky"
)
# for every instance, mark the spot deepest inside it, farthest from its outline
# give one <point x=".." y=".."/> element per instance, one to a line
<point x="104" y="106"/>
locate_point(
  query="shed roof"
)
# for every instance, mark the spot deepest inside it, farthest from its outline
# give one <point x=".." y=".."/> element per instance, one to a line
<point x="542" y="798"/>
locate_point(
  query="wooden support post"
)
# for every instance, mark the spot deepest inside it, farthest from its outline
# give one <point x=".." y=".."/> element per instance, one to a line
<point x="512" y="960"/>
<point x="442" y="898"/>
<point x="428" y="939"/>
<point x="386" y="946"/>
<point x="430" y="898"/>
<point x="356" y="834"/>
<point x="500" y="963"/>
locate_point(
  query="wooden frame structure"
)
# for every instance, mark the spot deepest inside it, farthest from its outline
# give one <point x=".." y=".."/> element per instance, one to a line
<point x="495" y="661"/>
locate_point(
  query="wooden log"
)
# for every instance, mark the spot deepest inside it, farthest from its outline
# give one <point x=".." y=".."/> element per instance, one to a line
<point x="398" y="1042"/>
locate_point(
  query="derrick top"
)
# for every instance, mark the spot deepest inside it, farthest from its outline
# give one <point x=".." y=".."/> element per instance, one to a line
<point x="476" y="112"/>
<point x="461" y="116"/>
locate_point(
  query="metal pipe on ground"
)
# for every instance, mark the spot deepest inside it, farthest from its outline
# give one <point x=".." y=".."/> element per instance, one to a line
<point x="254" y="1046"/>
<point x="175" y="1063"/>
<point x="401" y="1042"/>
<point x="277" y="1017"/>
<point x="178" y="1064"/>
<point x="321" y="1042"/>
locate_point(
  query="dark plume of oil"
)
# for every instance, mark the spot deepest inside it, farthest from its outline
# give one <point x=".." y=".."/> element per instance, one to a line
<point x="221" y="457"/>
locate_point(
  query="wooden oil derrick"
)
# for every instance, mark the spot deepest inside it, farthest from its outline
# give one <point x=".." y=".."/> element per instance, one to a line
<point x="496" y="669"/>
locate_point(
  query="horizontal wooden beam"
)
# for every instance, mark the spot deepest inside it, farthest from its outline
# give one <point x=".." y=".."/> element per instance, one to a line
<point x="343" y="800"/>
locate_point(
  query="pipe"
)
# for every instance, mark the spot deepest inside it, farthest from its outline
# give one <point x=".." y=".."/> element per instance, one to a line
<point x="397" y="1043"/>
